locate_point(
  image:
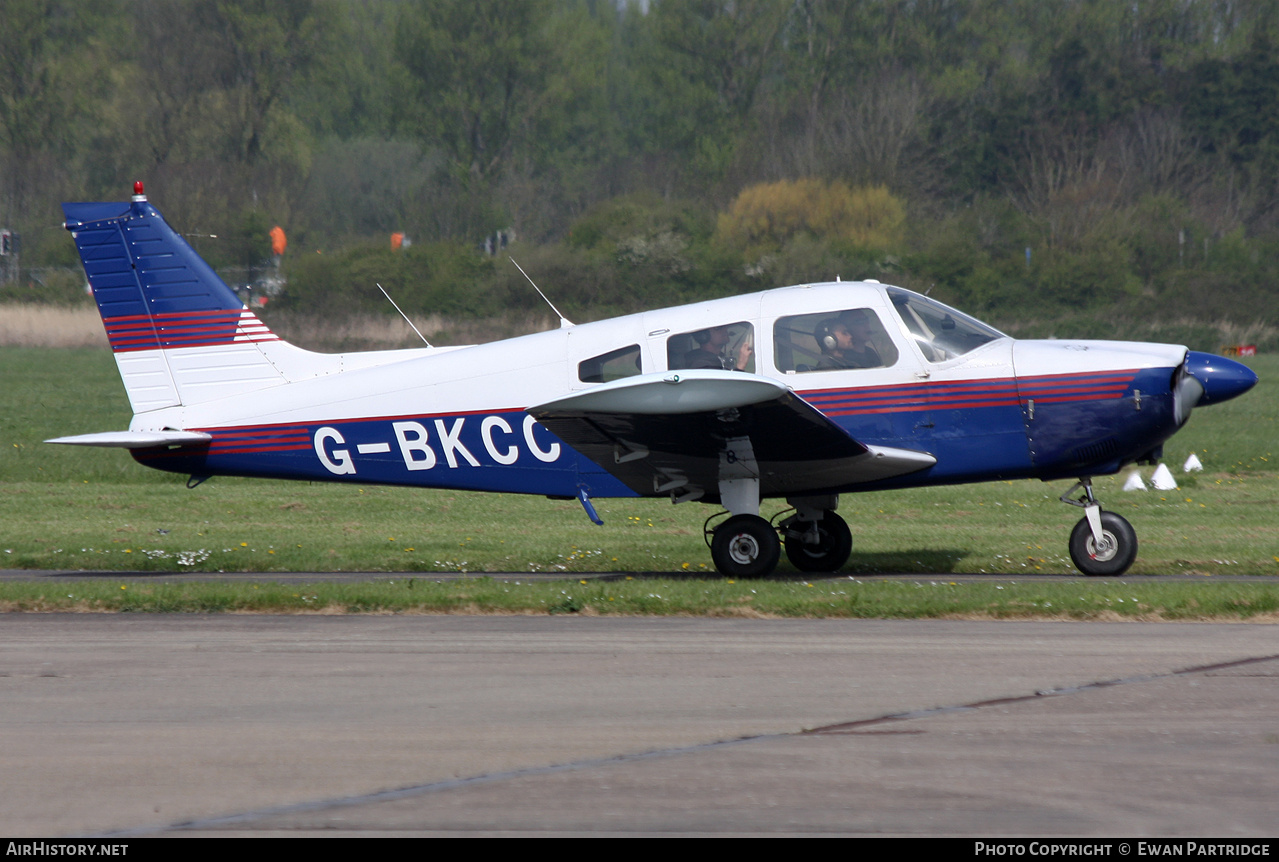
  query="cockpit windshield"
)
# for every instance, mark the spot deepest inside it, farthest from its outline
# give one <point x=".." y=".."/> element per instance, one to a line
<point x="940" y="331"/>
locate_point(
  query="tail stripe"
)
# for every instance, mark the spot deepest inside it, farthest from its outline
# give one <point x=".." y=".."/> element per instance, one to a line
<point x="187" y="329"/>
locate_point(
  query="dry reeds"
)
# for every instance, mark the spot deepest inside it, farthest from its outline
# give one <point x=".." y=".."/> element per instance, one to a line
<point x="374" y="332"/>
<point x="30" y="325"/>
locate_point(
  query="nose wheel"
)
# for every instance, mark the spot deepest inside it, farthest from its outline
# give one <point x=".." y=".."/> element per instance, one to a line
<point x="745" y="546"/>
<point x="1102" y="543"/>
<point x="1112" y="555"/>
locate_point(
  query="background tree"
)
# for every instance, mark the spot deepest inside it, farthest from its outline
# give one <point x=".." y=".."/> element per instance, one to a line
<point x="479" y="71"/>
<point x="1133" y="148"/>
<point x="51" y="59"/>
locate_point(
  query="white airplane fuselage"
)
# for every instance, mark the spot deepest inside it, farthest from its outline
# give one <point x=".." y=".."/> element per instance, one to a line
<point x="456" y="418"/>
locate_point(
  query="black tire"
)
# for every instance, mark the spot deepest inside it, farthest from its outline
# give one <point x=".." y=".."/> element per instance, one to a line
<point x="1117" y="553"/>
<point x="745" y="546"/>
<point x="829" y="554"/>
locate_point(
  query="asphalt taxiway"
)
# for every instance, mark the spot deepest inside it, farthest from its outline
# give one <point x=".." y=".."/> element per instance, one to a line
<point x="409" y="725"/>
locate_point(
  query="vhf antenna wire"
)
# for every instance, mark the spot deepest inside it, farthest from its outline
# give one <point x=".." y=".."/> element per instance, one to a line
<point x="402" y="314"/>
<point x="564" y="321"/>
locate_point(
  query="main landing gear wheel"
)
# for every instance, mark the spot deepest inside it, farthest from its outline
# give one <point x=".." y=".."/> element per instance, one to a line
<point x="1112" y="555"/>
<point x="745" y="546"/>
<point x="828" y="553"/>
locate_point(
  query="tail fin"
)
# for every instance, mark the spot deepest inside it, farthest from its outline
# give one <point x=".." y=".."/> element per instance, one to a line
<point x="179" y="334"/>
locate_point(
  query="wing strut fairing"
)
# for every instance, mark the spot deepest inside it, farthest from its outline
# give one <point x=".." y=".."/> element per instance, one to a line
<point x="693" y="434"/>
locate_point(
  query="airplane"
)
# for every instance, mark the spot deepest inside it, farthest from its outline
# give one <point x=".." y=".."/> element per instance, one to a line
<point x="804" y="393"/>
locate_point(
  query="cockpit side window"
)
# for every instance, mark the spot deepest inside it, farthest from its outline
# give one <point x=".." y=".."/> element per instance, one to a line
<point x="940" y="331"/>
<point x="730" y="346"/>
<point x="614" y="365"/>
<point x="832" y="340"/>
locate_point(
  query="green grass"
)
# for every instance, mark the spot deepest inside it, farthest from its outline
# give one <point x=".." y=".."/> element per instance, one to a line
<point x="664" y="596"/>
<point x="1223" y="525"/>
<point x="54" y="393"/>
<point x="71" y="508"/>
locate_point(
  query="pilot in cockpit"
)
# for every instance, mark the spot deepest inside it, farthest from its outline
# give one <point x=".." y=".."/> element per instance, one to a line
<point x="845" y="341"/>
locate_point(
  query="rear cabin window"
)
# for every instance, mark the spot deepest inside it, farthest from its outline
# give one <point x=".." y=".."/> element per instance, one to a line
<point x="831" y="341"/>
<point x="730" y="346"/>
<point x="614" y="365"/>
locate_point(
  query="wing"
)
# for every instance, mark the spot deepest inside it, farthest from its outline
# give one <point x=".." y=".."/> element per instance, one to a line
<point x="683" y="432"/>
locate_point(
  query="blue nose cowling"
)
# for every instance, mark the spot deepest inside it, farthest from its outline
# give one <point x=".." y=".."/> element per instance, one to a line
<point x="1222" y="378"/>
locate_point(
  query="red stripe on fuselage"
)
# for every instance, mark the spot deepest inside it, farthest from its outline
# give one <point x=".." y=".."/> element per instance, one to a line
<point x="961" y="394"/>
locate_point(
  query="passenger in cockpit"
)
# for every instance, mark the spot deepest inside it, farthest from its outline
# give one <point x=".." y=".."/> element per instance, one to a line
<point x="710" y="351"/>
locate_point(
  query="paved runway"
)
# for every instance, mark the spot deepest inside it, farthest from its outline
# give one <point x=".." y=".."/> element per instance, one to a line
<point x="276" y="725"/>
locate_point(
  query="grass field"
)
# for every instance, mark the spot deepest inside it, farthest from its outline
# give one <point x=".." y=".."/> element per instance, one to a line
<point x="92" y="509"/>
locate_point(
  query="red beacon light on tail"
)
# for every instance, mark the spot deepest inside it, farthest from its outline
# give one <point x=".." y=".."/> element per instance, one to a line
<point x="138" y="193"/>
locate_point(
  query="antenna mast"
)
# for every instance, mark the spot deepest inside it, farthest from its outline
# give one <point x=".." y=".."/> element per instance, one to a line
<point x="564" y="321"/>
<point x="402" y="314"/>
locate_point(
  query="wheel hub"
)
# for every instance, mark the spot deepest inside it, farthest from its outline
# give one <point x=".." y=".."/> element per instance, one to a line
<point x="817" y="547"/>
<point x="1105" y="550"/>
<point x="743" y="548"/>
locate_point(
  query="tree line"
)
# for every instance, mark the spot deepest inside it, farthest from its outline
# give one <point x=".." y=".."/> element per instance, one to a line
<point x="1021" y="159"/>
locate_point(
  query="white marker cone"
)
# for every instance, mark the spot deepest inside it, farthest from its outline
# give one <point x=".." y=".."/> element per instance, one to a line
<point x="1192" y="464"/>
<point x="1163" y="479"/>
<point x="1134" y="482"/>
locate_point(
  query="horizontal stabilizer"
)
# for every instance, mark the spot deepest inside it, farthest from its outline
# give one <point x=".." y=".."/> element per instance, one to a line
<point x="136" y="439"/>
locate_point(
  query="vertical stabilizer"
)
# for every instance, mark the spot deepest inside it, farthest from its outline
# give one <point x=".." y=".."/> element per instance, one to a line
<point x="180" y="335"/>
